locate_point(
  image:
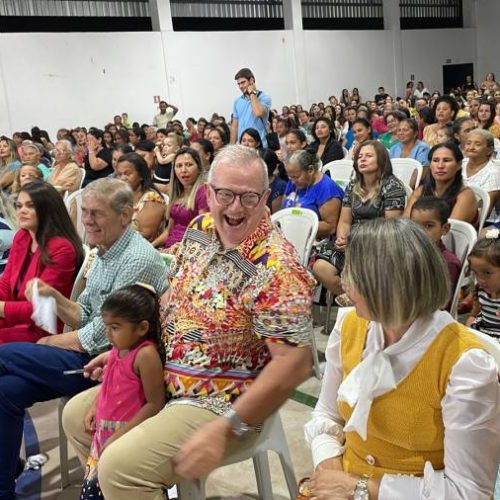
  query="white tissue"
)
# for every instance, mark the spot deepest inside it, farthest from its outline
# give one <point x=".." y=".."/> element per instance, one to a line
<point x="44" y="310"/>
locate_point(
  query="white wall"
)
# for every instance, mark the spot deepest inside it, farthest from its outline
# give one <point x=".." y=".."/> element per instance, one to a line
<point x="55" y="80"/>
<point x="425" y="52"/>
<point x="488" y="24"/>
<point x="59" y="79"/>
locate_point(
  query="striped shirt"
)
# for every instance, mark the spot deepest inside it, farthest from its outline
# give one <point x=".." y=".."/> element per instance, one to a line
<point x="131" y="259"/>
<point x="488" y="320"/>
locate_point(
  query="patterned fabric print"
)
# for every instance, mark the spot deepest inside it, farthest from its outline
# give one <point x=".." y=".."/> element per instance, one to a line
<point x="225" y="305"/>
<point x="90" y="485"/>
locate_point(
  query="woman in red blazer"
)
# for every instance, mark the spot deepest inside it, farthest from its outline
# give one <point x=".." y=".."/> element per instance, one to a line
<point x="46" y="246"/>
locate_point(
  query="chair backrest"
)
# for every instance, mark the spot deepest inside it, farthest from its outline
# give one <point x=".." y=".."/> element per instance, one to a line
<point x="79" y="284"/>
<point x="299" y="225"/>
<point x="409" y="192"/>
<point x="74" y="206"/>
<point x="460" y="240"/>
<point x="83" y="173"/>
<point x="341" y="170"/>
<point x="483" y="202"/>
<point x="490" y="344"/>
<point x="346" y="152"/>
<point x="403" y="169"/>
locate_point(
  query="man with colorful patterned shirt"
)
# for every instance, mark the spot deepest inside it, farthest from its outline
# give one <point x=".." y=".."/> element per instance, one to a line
<point x="237" y="326"/>
<point x="30" y="373"/>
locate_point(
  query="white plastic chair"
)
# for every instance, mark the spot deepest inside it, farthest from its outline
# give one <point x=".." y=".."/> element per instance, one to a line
<point x="346" y="152"/>
<point x="76" y="198"/>
<point x="403" y="169"/>
<point x="340" y="169"/>
<point x="300" y="226"/>
<point x="272" y="437"/>
<point x="460" y="240"/>
<point x="483" y="201"/>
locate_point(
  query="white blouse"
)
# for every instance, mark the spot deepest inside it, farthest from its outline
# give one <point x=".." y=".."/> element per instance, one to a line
<point x="470" y="409"/>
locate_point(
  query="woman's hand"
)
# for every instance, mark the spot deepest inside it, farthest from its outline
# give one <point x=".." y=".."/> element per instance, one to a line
<point x="340" y="244"/>
<point x="328" y="484"/>
<point x="94" y="369"/>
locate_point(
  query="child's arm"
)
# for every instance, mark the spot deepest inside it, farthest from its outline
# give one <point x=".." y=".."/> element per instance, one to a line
<point x="476" y="309"/>
<point x="149" y="368"/>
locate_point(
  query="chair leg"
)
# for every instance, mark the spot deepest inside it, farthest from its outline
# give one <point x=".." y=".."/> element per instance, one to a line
<point x="263" y="476"/>
<point x="314" y="349"/>
<point x="191" y="490"/>
<point x="291" y="480"/>
<point x="63" y="448"/>
<point x="329" y="301"/>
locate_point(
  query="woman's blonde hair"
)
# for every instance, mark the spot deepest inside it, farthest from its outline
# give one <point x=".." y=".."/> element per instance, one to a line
<point x="397" y="269"/>
<point x="16" y="185"/>
<point x="384" y="170"/>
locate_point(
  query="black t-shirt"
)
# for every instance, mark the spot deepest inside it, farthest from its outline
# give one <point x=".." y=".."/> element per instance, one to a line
<point x="92" y="175"/>
<point x="381" y="97"/>
<point x="162" y="173"/>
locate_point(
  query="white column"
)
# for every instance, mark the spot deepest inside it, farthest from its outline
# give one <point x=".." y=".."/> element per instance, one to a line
<point x="292" y="15"/>
<point x="161" y="15"/>
<point x="392" y="23"/>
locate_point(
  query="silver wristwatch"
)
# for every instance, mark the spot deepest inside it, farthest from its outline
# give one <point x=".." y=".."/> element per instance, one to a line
<point x="239" y="427"/>
<point x="361" y="490"/>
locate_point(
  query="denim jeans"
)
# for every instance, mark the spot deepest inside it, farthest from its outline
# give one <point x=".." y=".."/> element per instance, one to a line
<point x="30" y="373"/>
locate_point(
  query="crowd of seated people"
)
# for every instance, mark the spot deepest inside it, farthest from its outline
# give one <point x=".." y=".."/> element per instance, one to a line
<point x="168" y="182"/>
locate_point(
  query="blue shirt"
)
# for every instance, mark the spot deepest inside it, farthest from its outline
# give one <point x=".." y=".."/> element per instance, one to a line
<point x="277" y="187"/>
<point x="242" y="111"/>
<point x="313" y="196"/>
<point x="419" y="152"/>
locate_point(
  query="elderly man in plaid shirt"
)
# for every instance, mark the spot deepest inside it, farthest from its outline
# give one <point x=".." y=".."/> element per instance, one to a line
<point x="30" y="373"/>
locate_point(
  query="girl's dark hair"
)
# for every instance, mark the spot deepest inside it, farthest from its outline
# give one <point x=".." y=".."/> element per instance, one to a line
<point x="139" y="132"/>
<point x="136" y="303"/>
<point x="123" y="148"/>
<point x="457" y="125"/>
<point x="448" y="100"/>
<point x="270" y="159"/>
<point x="36" y="135"/>
<point x="53" y="219"/>
<point x="321" y="119"/>
<point x="142" y="170"/>
<point x="487" y="249"/>
<point x="429" y="186"/>
<point x="491" y="119"/>
<point x="207" y="147"/>
<point x="222" y="135"/>
<point x="299" y="134"/>
<point x="254" y="134"/>
<point x="123" y="133"/>
<point x="365" y="123"/>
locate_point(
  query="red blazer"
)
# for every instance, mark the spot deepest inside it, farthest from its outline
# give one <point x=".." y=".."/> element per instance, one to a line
<point x="17" y="324"/>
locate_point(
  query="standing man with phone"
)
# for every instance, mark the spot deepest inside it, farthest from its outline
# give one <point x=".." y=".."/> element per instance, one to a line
<point x="167" y="112"/>
<point x="251" y="109"/>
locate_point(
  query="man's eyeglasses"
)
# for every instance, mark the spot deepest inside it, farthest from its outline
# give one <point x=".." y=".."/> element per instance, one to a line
<point x="226" y="197"/>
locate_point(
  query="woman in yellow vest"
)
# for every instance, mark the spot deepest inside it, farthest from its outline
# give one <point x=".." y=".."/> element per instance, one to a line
<point x="410" y="403"/>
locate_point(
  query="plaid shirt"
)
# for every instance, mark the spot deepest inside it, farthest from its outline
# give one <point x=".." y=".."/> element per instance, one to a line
<point x="131" y="259"/>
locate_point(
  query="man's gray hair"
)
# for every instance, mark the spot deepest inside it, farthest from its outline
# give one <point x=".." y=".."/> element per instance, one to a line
<point x="241" y="157"/>
<point x="117" y="193"/>
<point x="397" y="269"/>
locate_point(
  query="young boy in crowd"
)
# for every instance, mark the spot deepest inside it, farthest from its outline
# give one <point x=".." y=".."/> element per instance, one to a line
<point x="432" y="214"/>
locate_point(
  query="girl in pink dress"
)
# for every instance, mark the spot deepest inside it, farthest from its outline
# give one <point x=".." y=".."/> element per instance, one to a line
<point x="132" y="389"/>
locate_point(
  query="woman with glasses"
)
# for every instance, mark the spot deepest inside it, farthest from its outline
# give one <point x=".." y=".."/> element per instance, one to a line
<point x="189" y="196"/>
<point x="309" y="188"/>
